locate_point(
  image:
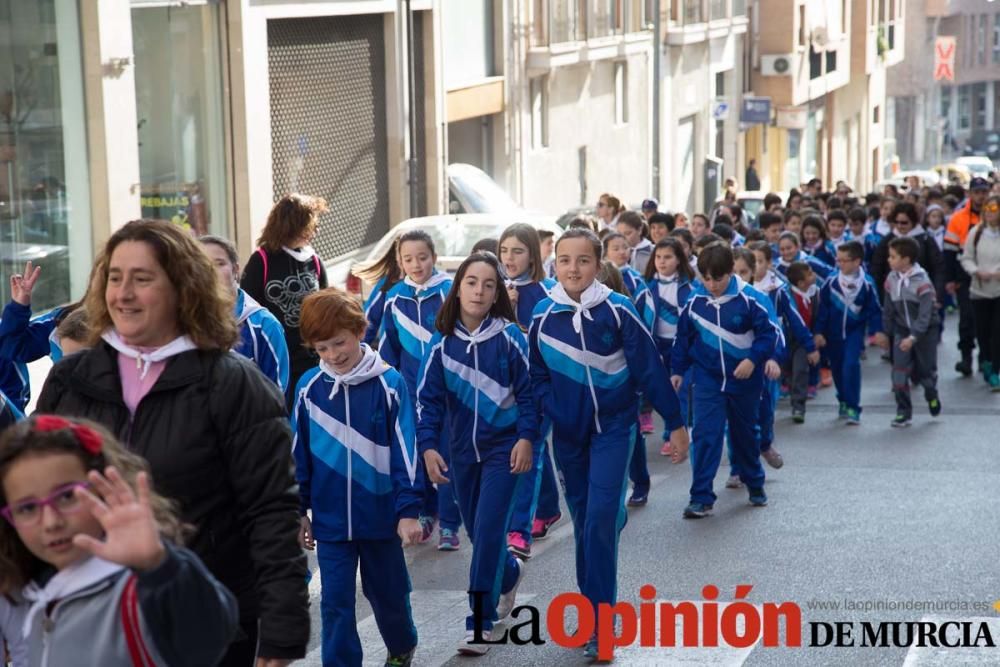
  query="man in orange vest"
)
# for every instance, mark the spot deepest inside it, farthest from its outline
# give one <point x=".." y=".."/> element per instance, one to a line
<point x="963" y="220"/>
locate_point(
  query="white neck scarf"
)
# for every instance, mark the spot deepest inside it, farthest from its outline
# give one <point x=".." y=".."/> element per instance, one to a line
<point x="303" y="254"/>
<point x="808" y="295"/>
<point x="882" y="227"/>
<point x="770" y="282"/>
<point x="517" y="281"/>
<point x="143" y="360"/>
<point x="904" y="278"/>
<point x="593" y="296"/>
<point x="66" y="582"/>
<point x="666" y="280"/>
<point x="917" y="230"/>
<point x="488" y="328"/>
<point x="851" y="285"/>
<point x="371" y="365"/>
<point x="435" y="280"/>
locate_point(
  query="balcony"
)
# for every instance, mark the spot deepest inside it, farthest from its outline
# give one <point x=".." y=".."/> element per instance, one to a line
<point x="941" y="8"/>
<point x="567" y="32"/>
<point x="693" y="21"/>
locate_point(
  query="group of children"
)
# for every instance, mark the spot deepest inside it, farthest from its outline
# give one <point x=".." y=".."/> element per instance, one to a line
<point x="439" y="401"/>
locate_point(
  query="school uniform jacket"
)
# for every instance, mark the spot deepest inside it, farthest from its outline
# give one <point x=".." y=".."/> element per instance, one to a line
<point x="408" y="325"/>
<point x="480" y="381"/>
<point x="793" y="327"/>
<point x="837" y="317"/>
<point x="24" y="339"/>
<point x="582" y="379"/>
<point x="825" y="252"/>
<point x="641" y="298"/>
<point x="529" y="293"/>
<point x="668" y="297"/>
<point x="355" y="455"/>
<point x="715" y="334"/>
<point x="821" y="269"/>
<point x="374" y="308"/>
<point x="262" y="339"/>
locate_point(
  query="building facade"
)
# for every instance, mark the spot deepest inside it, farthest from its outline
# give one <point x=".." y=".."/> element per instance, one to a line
<point x="936" y="119"/>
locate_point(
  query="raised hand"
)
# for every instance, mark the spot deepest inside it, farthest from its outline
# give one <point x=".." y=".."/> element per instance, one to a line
<point x="131" y="536"/>
<point x="22" y="284"/>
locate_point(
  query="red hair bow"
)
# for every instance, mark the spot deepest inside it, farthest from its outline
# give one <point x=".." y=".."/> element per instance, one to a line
<point x="86" y="436"/>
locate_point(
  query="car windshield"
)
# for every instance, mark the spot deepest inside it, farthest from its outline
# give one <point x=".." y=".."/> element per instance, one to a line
<point x="479" y="192"/>
<point x="451" y="238"/>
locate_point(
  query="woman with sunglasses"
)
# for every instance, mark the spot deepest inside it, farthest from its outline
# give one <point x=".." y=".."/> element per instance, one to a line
<point x="608" y="208"/>
<point x="981" y="260"/>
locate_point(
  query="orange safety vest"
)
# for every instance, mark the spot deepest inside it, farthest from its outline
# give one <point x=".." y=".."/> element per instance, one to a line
<point x="958" y="227"/>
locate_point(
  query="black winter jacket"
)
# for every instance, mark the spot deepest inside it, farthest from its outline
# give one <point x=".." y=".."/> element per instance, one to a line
<point x="217" y="438"/>
<point x="930" y="258"/>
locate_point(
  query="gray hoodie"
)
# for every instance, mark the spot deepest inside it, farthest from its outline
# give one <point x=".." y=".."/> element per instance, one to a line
<point x="908" y="308"/>
<point x="184" y="616"/>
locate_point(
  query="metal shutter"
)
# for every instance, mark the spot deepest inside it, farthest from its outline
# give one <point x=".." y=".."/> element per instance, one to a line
<point x="328" y="123"/>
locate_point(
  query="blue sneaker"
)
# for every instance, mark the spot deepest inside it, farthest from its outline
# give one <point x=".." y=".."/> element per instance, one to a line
<point x="448" y="540"/>
<point x="590" y="652"/>
<point x="842" y="411"/>
<point x="757" y="497"/>
<point x="994" y="382"/>
<point x="697" y="510"/>
<point x="852" y="416"/>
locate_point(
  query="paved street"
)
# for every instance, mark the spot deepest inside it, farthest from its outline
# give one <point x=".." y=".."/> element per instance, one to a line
<point x="864" y="514"/>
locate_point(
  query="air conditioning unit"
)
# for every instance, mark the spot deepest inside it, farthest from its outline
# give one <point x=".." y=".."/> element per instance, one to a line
<point x="776" y="65"/>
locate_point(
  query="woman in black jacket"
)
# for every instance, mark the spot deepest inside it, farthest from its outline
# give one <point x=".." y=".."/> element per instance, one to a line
<point x="906" y="222"/>
<point x="284" y="270"/>
<point x="214" y="430"/>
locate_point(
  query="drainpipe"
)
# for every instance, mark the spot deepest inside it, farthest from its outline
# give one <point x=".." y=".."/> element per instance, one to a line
<point x="413" y="180"/>
<point x="657" y="65"/>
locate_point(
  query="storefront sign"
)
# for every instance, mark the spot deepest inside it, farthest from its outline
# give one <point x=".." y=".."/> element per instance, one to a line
<point x="174" y="206"/>
<point x="792" y="118"/>
<point x="755" y="110"/>
<point x="944" y="59"/>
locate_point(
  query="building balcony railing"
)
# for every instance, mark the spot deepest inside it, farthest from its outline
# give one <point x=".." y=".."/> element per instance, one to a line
<point x="568" y="21"/>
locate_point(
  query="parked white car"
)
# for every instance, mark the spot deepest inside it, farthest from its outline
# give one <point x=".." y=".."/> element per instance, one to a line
<point x="453" y="236"/>
<point x="979" y="165"/>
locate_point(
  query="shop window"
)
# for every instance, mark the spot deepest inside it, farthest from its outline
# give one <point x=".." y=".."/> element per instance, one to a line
<point x="179" y="109"/>
<point x="44" y="177"/>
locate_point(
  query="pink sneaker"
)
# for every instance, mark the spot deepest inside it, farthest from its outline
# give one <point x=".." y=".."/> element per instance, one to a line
<point x="646" y="422"/>
<point x="540" y="527"/>
<point x="517" y="545"/>
<point x="665" y="449"/>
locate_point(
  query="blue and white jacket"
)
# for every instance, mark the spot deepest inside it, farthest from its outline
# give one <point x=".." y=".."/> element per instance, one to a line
<point x="821" y="269"/>
<point x="408" y="324"/>
<point x="793" y="327"/>
<point x="848" y="305"/>
<point x="374" y="309"/>
<point x="24" y="339"/>
<point x="9" y="413"/>
<point x="355" y="451"/>
<point x="478" y="381"/>
<point x="641" y="297"/>
<point x="262" y="339"/>
<point x="668" y="296"/>
<point x="590" y="358"/>
<point x="715" y="334"/>
<point x="529" y="293"/>
<point x="825" y="252"/>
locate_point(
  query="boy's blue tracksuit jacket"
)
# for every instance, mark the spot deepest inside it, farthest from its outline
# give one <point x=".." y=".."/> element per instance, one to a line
<point x="839" y="317"/>
<point x="408" y="325"/>
<point x="529" y="293"/>
<point x="355" y="452"/>
<point x="476" y="387"/>
<point x="715" y="334"/>
<point x="24" y="339"/>
<point x="262" y="339"/>
<point x="582" y="378"/>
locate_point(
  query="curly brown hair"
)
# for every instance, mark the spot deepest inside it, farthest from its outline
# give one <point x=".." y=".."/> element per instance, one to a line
<point x="290" y="218"/>
<point x="18" y="566"/>
<point x="204" y="308"/>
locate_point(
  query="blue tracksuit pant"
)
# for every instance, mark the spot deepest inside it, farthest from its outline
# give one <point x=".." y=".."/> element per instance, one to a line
<point x="845" y="364"/>
<point x="529" y="490"/>
<point x="386" y="584"/>
<point x="447" y="505"/>
<point x="768" y="402"/>
<point x="485" y="491"/>
<point x="595" y="472"/>
<point x="548" y="493"/>
<point x="714" y="410"/>
<point x="638" y="470"/>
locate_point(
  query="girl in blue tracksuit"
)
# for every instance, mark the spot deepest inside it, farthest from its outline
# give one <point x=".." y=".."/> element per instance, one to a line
<point x="411" y="307"/>
<point x="475" y="387"/>
<point x="262" y="338"/>
<point x="670" y="279"/>
<point x="815" y="240"/>
<point x="789" y="251"/>
<point x="769" y="283"/>
<point x="725" y="334"/>
<point x="526" y="285"/>
<point x="848" y="306"/>
<point x="385" y="273"/>
<point x="590" y="356"/>
<point x="618" y="251"/>
<point x="358" y="474"/>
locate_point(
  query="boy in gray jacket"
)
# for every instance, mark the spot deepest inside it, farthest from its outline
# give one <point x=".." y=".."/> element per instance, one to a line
<point x="910" y="320"/>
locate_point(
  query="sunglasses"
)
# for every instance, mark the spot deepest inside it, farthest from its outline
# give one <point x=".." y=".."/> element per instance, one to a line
<point x="992" y="207"/>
